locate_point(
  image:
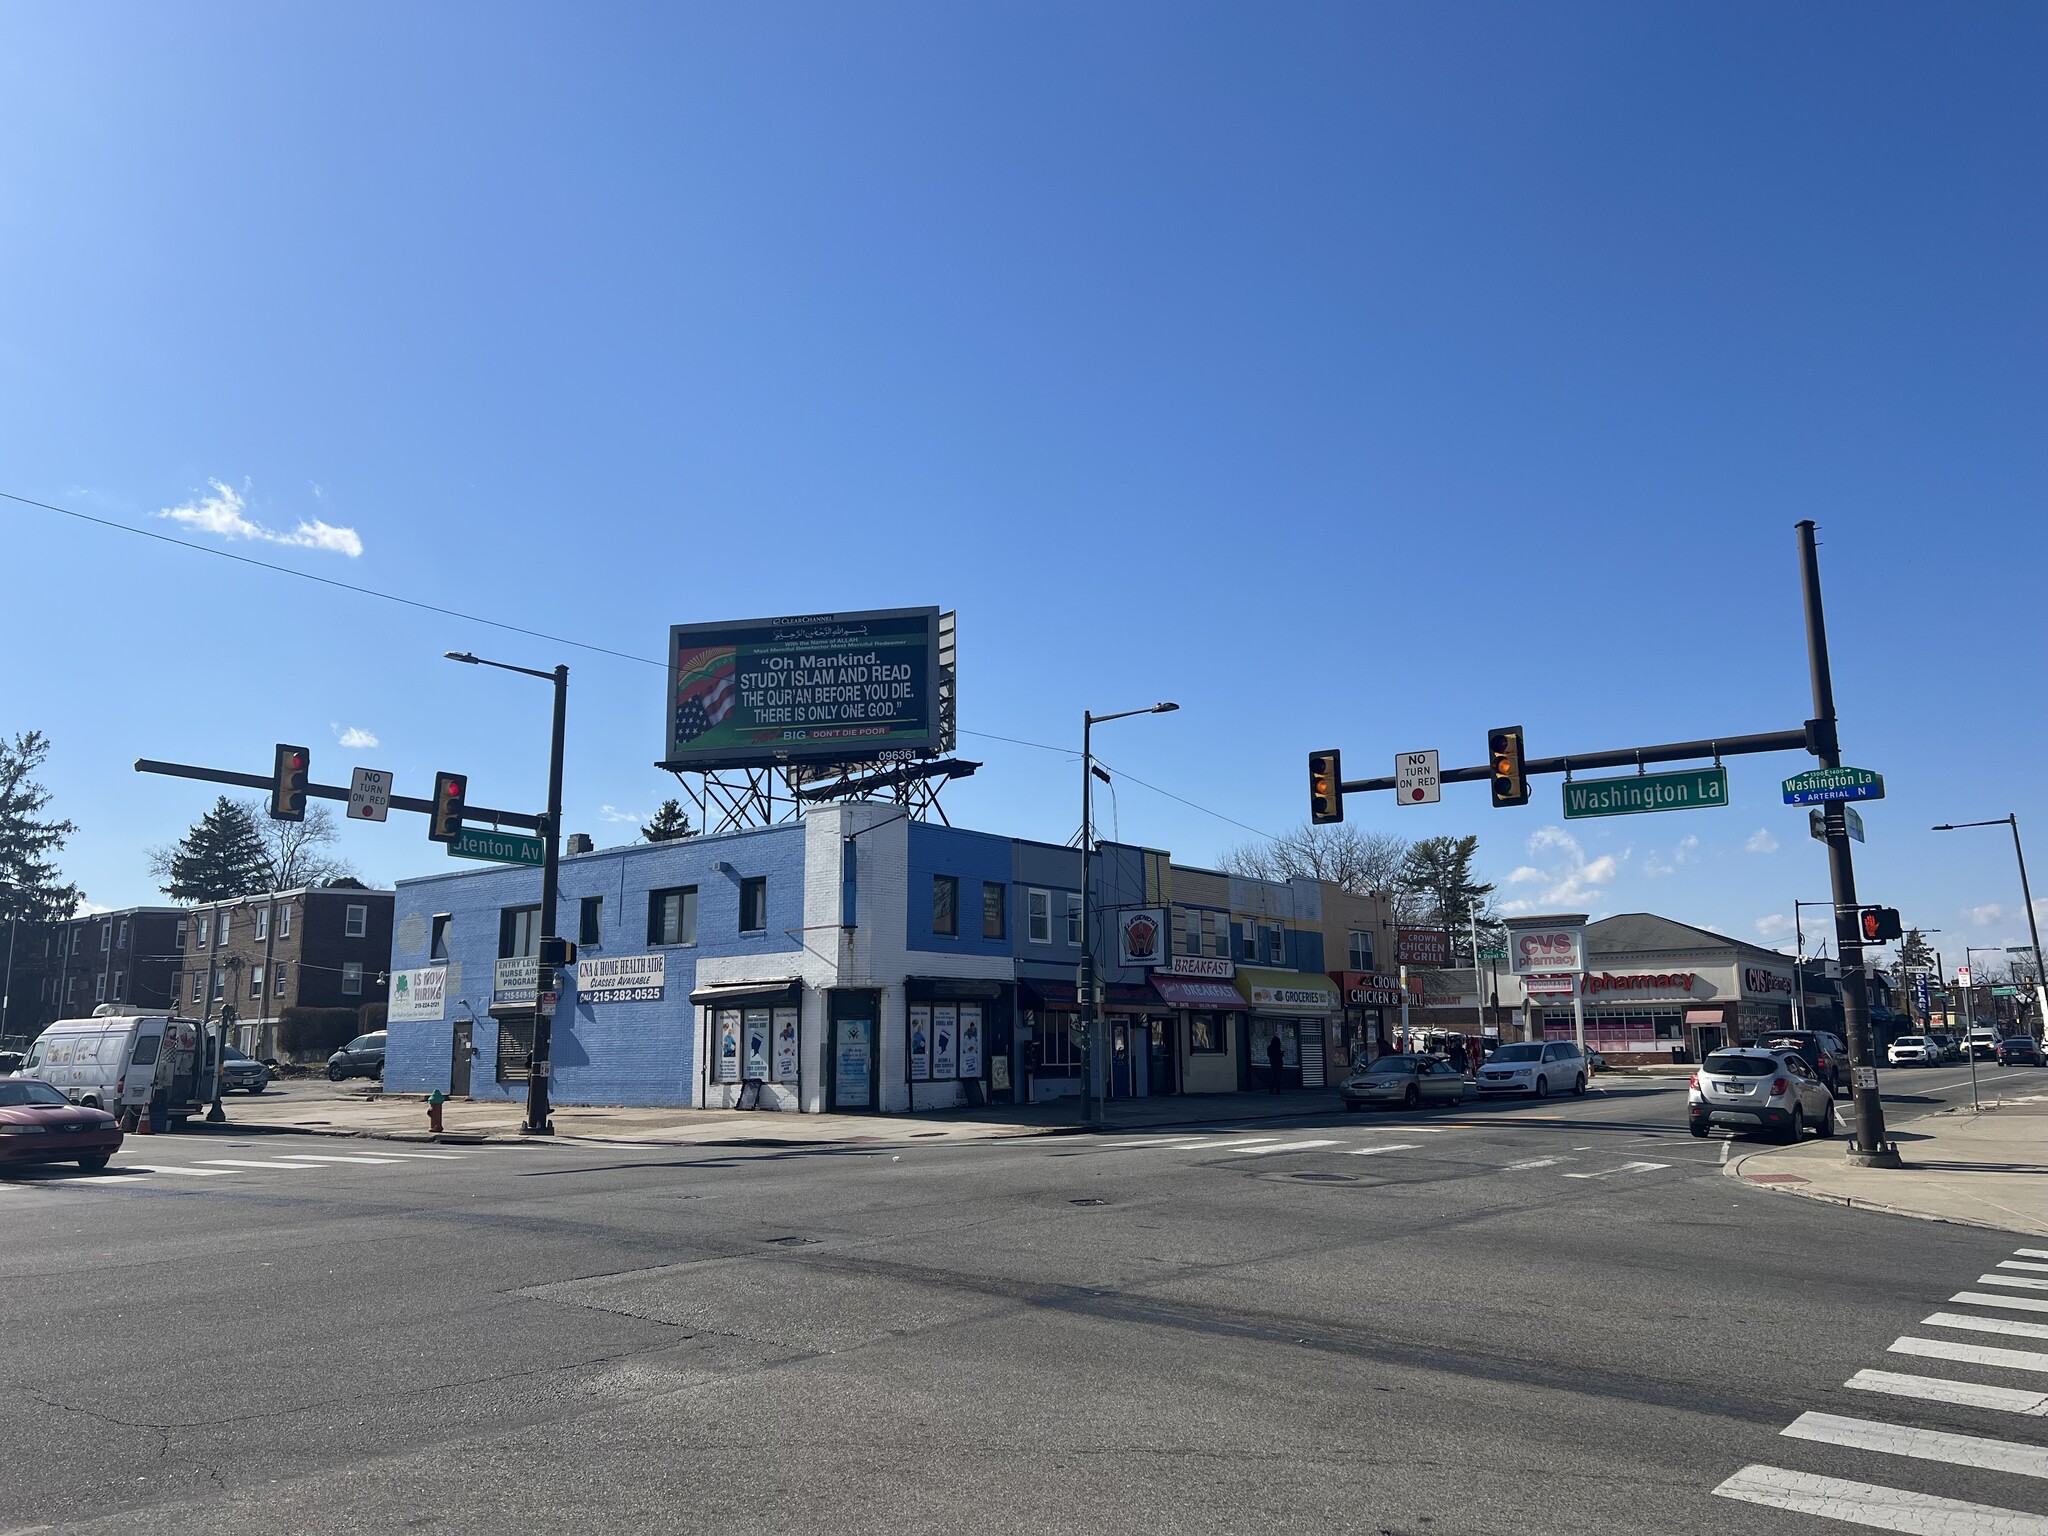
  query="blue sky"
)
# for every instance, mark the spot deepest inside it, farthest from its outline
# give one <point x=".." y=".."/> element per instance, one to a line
<point x="1354" y="375"/>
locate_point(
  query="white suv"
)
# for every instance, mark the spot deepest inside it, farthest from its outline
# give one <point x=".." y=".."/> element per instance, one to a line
<point x="1540" y="1067"/>
<point x="1912" y="1051"/>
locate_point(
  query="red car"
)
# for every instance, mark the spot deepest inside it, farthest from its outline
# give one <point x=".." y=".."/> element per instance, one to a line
<point x="39" y="1125"/>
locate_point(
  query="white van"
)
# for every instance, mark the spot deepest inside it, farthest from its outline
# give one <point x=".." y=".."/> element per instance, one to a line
<point x="123" y="1060"/>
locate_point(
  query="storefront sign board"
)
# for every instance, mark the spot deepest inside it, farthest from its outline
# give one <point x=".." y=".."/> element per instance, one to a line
<point x="785" y="1045"/>
<point x="1547" y="944"/>
<point x="1141" y="936"/>
<point x="515" y="979"/>
<point x="622" y="979"/>
<point x="418" y="996"/>
<point x="1200" y="965"/>
<point x="1429" y="948"/>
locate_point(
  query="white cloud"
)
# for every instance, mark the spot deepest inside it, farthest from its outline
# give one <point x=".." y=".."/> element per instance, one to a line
<point x="1987" y="914"/>
<point x="1567" y="879"/>
<point x="1771" y="929"/>
<point x="1525" y="874"/>
<point x="224" y="513"/>
<point x="1761" y="841"/>
<point x="613" y="813"/>
<point x="355" y="736"/>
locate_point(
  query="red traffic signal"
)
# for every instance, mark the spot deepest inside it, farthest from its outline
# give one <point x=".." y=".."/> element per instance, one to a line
<point x="1325" y="787"/>
<point x="288" y="783"/>
<point x="1504" y="754"/>
<point x="1880" y="924"/>
<point x="444" y="823"/>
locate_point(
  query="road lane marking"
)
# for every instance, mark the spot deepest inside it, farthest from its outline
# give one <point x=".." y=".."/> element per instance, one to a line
<point x="2011" y="1325"/>
<point x="2010" y="1303"/>
<point x="1973" y="1354"/>
<point x="1154" y="1141"/>
<point x="1396" y="1146"/>
<point x="199" y="1173"/>
<point x="1624" y="1168"/>
<point x="242" y="1162"/>
<point x="2023" y="1264"/>
<point x="1534" y="1162"/>
<point x="439" y="1157"/>
<point x="308" y="1157"/>
<point x="1920" y="1444"/>
<point x="1287" y="1146"/>
<point x="1883" y="1509"/>
<point x="1966" y="1394"/>
<point x="1256" y="1141"/>
<point x="2013" y="1280"/>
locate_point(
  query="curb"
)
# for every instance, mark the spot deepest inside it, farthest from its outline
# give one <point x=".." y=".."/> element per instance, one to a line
<point x="1733" y="1170"/>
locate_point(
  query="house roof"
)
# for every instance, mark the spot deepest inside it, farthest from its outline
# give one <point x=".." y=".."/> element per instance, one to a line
<point x="1628" y="932"/>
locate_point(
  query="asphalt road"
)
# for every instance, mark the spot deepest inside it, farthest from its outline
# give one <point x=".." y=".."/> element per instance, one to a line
<point x="1548" y="1317"/>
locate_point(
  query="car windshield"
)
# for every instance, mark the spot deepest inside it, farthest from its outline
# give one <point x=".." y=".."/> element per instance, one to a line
<point x="1529" y="1052"/>
<point x="1389" y="1066"/>
<point x="19" y="1094"/>
<point x="1910" y="1040"/>
<point x="1786" y="1043"/>
<point x="1741" y="1064"/>
<point x="232" y="1054"/>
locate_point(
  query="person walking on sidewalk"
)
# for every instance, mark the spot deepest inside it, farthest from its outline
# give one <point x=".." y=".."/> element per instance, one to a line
<point x="1275" y="1054"/>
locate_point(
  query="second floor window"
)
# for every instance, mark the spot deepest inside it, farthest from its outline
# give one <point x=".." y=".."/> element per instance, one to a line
<point x="754" y="904"/>
<point x="589" y="920"/>
<point x="224" y="917"/>
<point x="357" y="923"/>
<point x="119" y="978"/>
<point x="1276" y="945"/>
<point x="277" y="986"/>
<point x="284" y="922"/>
<point x="263" y="922"/>
<point x="1074" y="918"/>
<point x="1038" y="916"/>
<point x="1361" y="951"/>
<point x="179" y="942"/>
<point x="437" y="946"/>
<point x="255" y="981"/>
<point x="1248" y="941"/>
<point x="198" y="985"/>
<point x="672" y="916"/>
<point x="352" y="978"/>
<point x="106" y="937"/>
<point x="995" y="909"/>
<point x="220" y="985"/>
<point x="945" y="904"/>
<point x="518" y="932"/>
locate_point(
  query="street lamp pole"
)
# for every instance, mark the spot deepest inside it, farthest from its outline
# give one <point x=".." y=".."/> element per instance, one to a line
<point x="1092" y="1095"/>
<point x="2012" y="820"/>
<point x="538" y="1110"/>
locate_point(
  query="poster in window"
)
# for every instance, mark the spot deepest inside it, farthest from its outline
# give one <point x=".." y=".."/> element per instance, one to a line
<point x="757" y="1045"/>
<point x="851" y="1076"/>
<point x="785" y="1045"/>
<point x="945" y="1041"/>
<point x="727" y="1064"/>
<point x="1264" y="1030"/>
<point x="920" y="1044"/>
<point x="970" y="1039"/>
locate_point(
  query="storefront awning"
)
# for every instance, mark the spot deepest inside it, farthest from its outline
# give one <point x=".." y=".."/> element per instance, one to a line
<point x="1190" y="992"/>
<point x="1288" y="991"/>
<point x="1702" y="1015"/>
<point x="745" y="994"/>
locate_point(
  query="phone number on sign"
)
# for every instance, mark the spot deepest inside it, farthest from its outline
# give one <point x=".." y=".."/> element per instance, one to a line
<point x="624" y="995"/>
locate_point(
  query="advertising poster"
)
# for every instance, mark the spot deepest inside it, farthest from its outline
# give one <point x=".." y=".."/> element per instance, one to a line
<point x="514" y="980"/>
<point x="785" y="1045"/>
<point x="418" y="996"/>
<point x="755" y="1022"/>
<point x="854" y="1086"/>
<point x="920" y="1043"/>
<point x="726" y="1060"/>
<point x="970" y="1039"/>
<point x="622" y="979"/>
<point x="945" y="1041"/>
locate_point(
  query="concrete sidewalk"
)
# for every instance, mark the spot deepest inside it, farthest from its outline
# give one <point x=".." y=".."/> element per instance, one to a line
<point x="1985" y="1168"/>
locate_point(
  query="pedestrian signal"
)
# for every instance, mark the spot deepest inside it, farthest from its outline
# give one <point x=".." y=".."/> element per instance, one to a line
<point x="1880" y="924"/>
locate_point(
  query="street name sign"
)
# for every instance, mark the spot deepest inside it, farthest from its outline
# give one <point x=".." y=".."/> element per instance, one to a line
<point x="369" y="795"/>
<point x="1817" y="822"/>
<point x="1416" y="780"/>
<point x="1691" y="789"/>
<point x="1817" y="786"/>
<point x="498" y="847"/>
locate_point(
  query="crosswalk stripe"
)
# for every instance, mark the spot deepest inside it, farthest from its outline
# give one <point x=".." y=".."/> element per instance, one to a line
<point x="308" y="1157"/>
<point x="1624" y="1168"/>
<point x="2019" y="1282"/>
<point x="243" y="1162"/>
<point x="2010" y="1303"/>
<point x="1921" y="1444"/>
<point x="2030" y="1253"/>
<point x="1398" y="1146"/>
<point x="1287" y="1146"/>
<point x="1883" y="1509"/>
<point x="1974" y="1354"/>
<point x="2023" y="1264"/>
<point x="1155" y="1141"/>
<point x="1224" y="1146"/>
<point x="2011" y="1325"/>
<point x="439" y="1157"/>
<point x="1938" y="1389"/>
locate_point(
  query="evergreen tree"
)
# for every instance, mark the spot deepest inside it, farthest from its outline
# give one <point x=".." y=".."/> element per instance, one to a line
<point x="222" y="856"/>
<point x="30" y="889"/>
<point x="1439" y="871"/>
<point x="670" y="822"/>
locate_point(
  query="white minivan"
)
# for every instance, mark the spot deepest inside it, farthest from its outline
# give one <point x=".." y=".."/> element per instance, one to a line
<point x="117" y="1061"/>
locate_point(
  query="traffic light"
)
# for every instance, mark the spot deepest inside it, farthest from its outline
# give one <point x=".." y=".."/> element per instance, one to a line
<point x="1880" y="924"/>
<point x="288" y="783"/>
<point x="1325" y="788"/>
<point x="445" y="824"/>
<point x="1504" y="752"/>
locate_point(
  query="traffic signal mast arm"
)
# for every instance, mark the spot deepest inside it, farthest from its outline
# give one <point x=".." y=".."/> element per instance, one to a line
<point x="470" y="813"/>
<point x="1625" y="757"/>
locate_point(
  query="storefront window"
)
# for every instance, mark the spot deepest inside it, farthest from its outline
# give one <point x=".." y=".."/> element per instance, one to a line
<point x="1057" y="1043"/>
<point x="1207" y="1034"/>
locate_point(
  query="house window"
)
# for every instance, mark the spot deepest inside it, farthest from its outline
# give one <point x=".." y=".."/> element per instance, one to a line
<point x="224" y="926"/>
<point x="106" y="938"/>
<point x="518" y="932"/>
<point x="945" y="904"/>
<point x="437" y="946"/>
<point x="99" y="987"/>
<point x="121" y="942"/>
<point x="1276" y="945"/>
<point x="1216" y="935"/>
<point x="180" y="941"/>
<point x="255" y="981"/>
<point x="1073" y="917"/>
<point x="357" y="922"/>
<point x="284" y="922"/>
<point x="220" y="985"/>
<point x="754" y="904"/>
<point x="205" y="929"/>
<point x="119" y="978"/>
<point x="1361" y="951"/>
<point x="1038" y="916"/>
<point x="70" y="989"/>
<point x="995" y="909"/>
<point x="1187" y="931"/>
<point x="672" y="916"/>
<point x="1248" y="941"/>
<point x="263" y="922"/>
<point x="198" y="985"/>
<point x="277" y="986"/>
<point x="587" y="922"/>
<point x="352" y="978"/>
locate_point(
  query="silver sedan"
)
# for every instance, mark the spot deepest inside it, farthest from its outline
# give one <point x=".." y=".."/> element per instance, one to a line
<point x="1405" y="1082"/>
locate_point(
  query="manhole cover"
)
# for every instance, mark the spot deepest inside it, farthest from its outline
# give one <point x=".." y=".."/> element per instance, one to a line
<point x="1090" y="1201"/>
<point x="1325" y="1178"/>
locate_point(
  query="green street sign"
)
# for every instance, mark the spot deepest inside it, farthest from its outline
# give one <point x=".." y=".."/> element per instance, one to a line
<point x="1690" y="789"/>
<point x="1493" y="954"/>
<point x="2005" y="991"/>
<point x="1817" y="786"/>
<point x="498" y="847"/>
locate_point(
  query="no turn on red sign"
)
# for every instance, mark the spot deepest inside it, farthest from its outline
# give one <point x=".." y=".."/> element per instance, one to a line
<point x="1416" y="780"/>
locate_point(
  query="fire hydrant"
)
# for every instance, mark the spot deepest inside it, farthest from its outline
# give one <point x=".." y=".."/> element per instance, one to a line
<point x="434" y="1102"/>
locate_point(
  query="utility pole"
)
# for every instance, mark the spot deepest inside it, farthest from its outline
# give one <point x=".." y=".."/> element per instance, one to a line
<point x="538" y="1117"/>
<point x="1870" y="1147"/>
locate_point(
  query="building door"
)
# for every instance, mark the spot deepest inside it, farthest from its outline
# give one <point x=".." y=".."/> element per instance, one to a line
<point x="853" y="1063"/>
<point x="1120" y="1059"/>
<point x="1310" y="1035"/>
<point x="1160" y="1078"/>
<point x="460" y="1055"/>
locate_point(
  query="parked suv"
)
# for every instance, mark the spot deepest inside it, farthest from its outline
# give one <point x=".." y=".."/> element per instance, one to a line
<point x="1540" y="1067"/>
<point x="361" y="1057"/>
<point x="1912" y="1051"/>
<point x="1772" y="1090"/>
<point x="1823" y="1052"/>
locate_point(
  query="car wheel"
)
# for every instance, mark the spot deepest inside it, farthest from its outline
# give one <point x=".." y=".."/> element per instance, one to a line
<point x="335" y="1074"/>
<point x="258" y="1089"/>
<point x="1412" y="1099"/>
<point x="1351" y="1108"/>
<point x="1795" y="1128"/>
<point x="1699" y="1131"/>
<point x="90" y="1101"/>
<point x="1579" y="1084"/>
<point x="1542" y="1087"/>
<point x="93" y="1162"/>
<point x="1824" y="1127"/>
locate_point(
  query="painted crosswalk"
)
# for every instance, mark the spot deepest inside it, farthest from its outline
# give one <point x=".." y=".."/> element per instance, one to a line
<point x="185" y="1169"/>
<point x="1912" y="1416"/>
<point x="1225" y="1146"/>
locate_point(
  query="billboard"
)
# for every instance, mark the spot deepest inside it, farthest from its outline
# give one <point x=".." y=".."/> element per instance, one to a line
<point x="1544" y="944"/>
<point x="418" y="996"/>
<point x="1426" y="947"/>
<point x="829" y="687"/>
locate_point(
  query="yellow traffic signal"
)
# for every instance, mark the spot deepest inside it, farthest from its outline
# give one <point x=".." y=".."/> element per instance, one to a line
<point x="1325" y="787"/>
<point x="1504" y="752"/>
<point x="288" y="783"/>
<point x="444" y="825"/>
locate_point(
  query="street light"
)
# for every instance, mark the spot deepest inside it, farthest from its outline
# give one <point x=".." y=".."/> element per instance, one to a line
<point x="2026" y="895"/>
<point x="538" y="1121"/>
<point x="1092" y="1099"/>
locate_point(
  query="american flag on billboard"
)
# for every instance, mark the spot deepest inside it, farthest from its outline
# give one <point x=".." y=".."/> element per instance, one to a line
<point x="704" y="689"/>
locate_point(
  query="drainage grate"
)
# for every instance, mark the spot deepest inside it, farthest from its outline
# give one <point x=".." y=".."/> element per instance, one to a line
<point x="1091" y="1200"/>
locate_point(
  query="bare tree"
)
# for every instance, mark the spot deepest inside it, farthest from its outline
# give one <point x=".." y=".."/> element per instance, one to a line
<point x="1365" y="862"/>
<point x="296" y="852"/>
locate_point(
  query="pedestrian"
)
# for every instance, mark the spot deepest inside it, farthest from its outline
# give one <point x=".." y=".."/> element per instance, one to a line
<point x="1459" y="1060"/>
<point x="1275" y="1054"/>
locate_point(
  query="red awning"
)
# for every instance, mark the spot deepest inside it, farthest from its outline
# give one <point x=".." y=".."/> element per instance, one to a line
<point x="1187" y="992"/>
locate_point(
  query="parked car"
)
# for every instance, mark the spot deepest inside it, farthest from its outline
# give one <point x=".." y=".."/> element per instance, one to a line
<point x="1772" y="1090"/>
<point x="1405" y="1081"/>
<point x="1823" y="1052"/>
<point x="2020" y="1051"/>
<point x="1595" y="1062"/>
<point x="1947" y="1046"/>
<point x="1983" y="1041"/>
<point x="39" y="1125"/>
<point x="1540" y="1067"/>
<point x="241" y="1073"/>
<point x="1912" y="1051"/>
<point x="361" y="1057"/>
